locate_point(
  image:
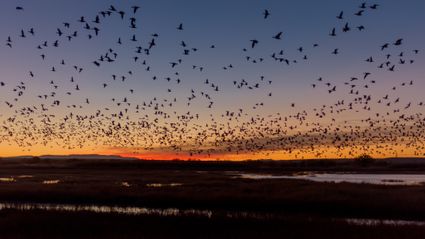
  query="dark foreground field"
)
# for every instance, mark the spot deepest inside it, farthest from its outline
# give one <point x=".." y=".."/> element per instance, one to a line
<point x="272" y="208"/>
<point x="15" y="224"/>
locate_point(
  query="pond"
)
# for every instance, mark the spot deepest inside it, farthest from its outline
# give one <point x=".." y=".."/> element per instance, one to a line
<point x="175" y="212"/>
<point x="105" y="209"/>
<point x="382" y="179"/>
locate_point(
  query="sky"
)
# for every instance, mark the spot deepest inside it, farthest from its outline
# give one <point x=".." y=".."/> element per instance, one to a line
<point x="231" y="101"/>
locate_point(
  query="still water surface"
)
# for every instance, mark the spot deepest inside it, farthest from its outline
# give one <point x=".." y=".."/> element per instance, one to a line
<point x="383" y="179"/>
<point x="167" y="212"/>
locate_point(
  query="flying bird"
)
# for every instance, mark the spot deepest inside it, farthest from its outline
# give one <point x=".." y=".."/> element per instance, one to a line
<point x="398" y="42"/>
<point x="135" y="8"/>
<point x="266" y="14"/>
<point x="278" y="36"/>
<point x="359" y="13"/>
<point x="254" y="43"/>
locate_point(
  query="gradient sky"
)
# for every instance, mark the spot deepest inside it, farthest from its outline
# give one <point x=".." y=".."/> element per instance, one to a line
<point x="229" y="25"/>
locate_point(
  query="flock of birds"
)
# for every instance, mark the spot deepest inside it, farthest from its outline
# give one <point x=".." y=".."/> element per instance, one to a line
<point x="157" y="124"/>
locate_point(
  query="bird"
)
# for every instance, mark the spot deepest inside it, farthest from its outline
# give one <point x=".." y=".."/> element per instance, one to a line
<point x="361" y="28"/>
<point x="135" y="8"/>
<point x="112" y="8"/>
<point x="384" y="46"/>
<point x="398" y="42"/>
<point x="346" y="28"/>
<point x="278" y="36"/>
<point x="374" y="6"/>
<point x="359" y="13"/>
<point x="152" y="43"/>
<point x="121" y="13"/>
<point x="266" y="14"/>
<point x="366" y="74"/>
<point x="254" y="43"/>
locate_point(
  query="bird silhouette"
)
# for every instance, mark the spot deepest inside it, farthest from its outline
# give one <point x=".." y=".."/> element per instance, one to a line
<point x="359" y="13"/>
<point x="278" y="36"/>
<point x="135" y="8"/>
<point x="398" y="42"/>
<point x="346" y="28"/>
<point x="253" y="43"/>
<point x="266" y="14"/>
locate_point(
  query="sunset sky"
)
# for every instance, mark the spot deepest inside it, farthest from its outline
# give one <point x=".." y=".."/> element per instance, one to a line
<point x="279" y="110"/>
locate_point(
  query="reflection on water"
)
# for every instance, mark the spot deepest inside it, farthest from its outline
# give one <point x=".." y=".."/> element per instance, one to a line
<point x="175" y="212"/>
<point x="261" y="176"/>
<point x="125" y="184"/>
<point x="159" y="185"/>
<point x="106" y="209"/>
<point x="56" y="181"/>
<point x="383" y="179"/>
<point x="376" y="222"/>
<point x="10" y="179"/>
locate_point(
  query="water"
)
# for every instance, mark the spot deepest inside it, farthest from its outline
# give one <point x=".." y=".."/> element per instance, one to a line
<point x="54" y="181"/>
<point x="159" y="185"/>
<point x="386" y="222"/>
<point x="105" y="209"/>
<point x="175" y="212"/>
<point x="125" y="184"/>
<point x="382" y="179"/>
<point x="10" y="179"/>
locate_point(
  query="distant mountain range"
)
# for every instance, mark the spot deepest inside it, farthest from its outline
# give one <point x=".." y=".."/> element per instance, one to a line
<point x="73" y="156"/>
<point x="391" y="160"/>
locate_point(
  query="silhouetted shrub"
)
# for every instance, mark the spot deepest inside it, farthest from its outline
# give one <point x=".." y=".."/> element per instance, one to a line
<point x="364" y="159"/>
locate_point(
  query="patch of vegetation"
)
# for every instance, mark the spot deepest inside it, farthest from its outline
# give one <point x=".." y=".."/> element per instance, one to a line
<point x="364" y="159"/>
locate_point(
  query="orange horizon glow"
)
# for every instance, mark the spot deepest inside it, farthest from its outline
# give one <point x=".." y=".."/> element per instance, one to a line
<point x="298" y="154"/>
<point x="213" y="157"/>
